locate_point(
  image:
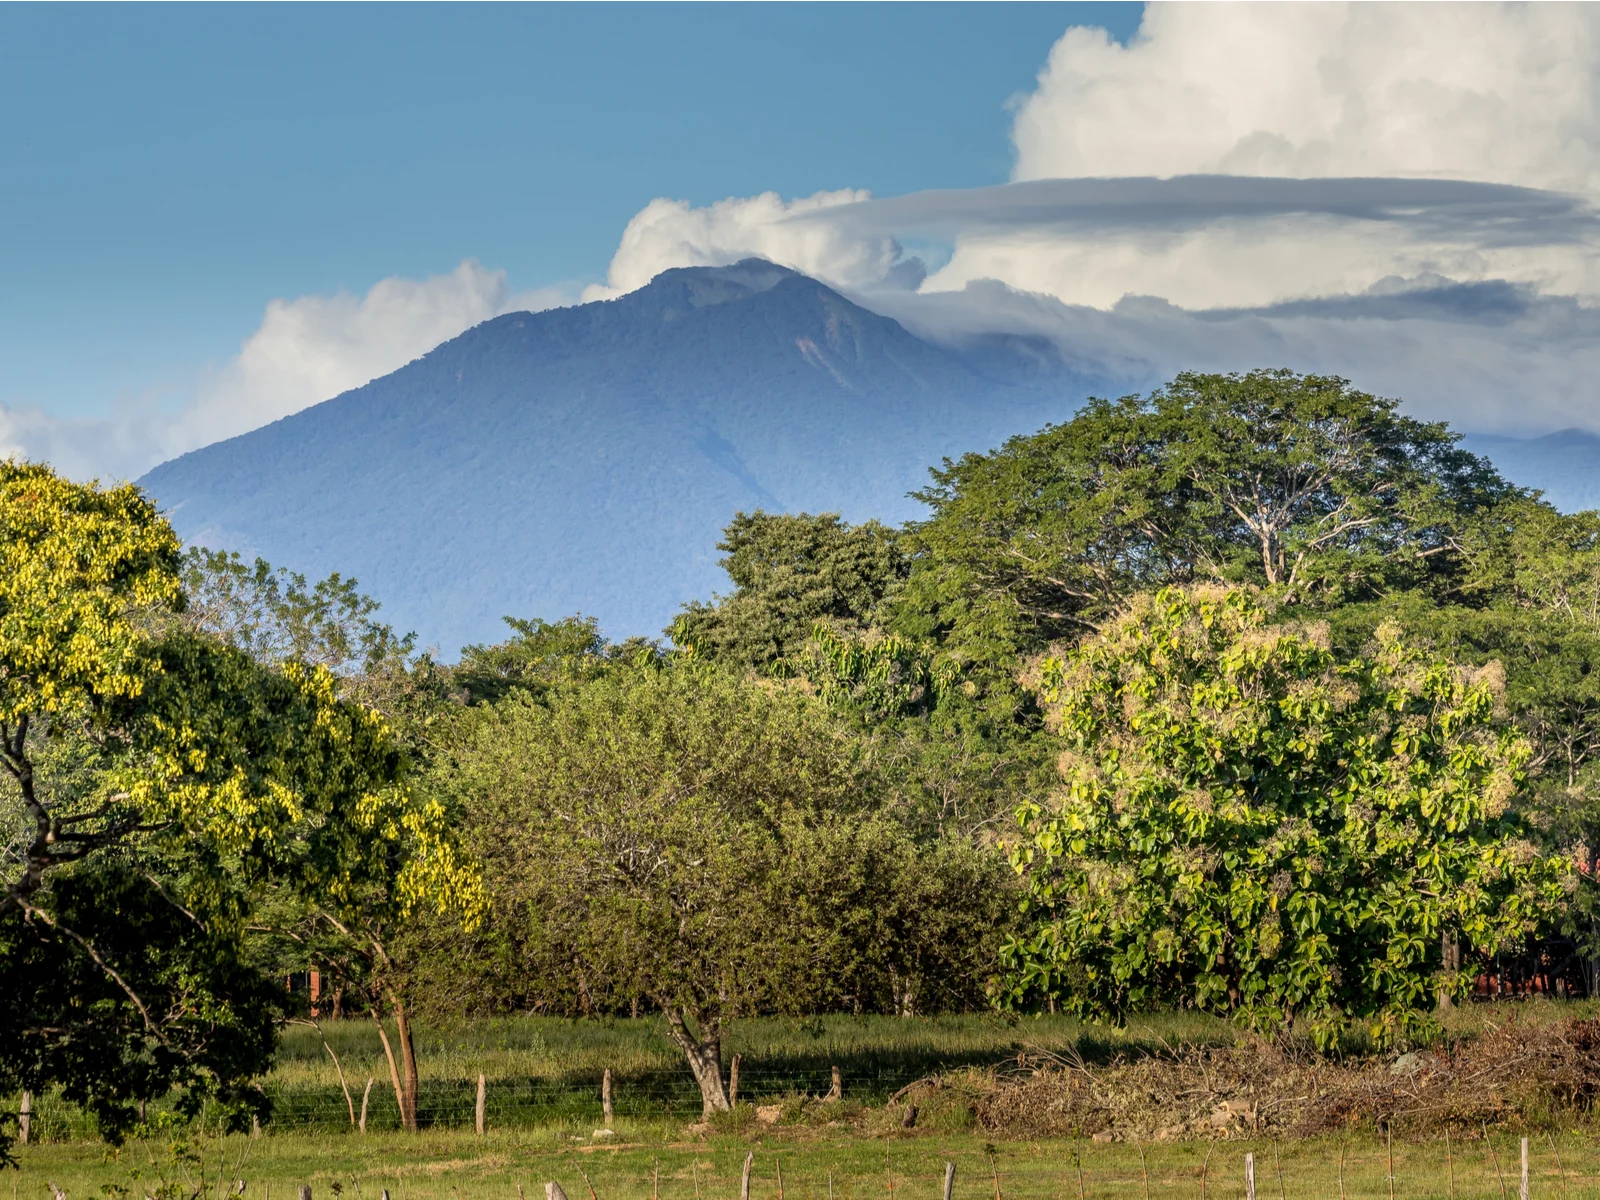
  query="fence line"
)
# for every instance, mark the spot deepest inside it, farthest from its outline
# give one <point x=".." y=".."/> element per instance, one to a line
<point x="523" y="1101"/>
<point x="532" y="1100"/>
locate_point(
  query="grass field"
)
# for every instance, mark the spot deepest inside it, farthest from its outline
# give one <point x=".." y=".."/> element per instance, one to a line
<point x="511" y="1046"/>
<point x="543" y="1069"/>
<point x="815" y="1166"/>
<point x="544" y="1108"/>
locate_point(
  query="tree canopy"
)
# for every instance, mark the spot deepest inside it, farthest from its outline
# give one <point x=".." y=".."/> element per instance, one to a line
<point x="1251" y="824"/>
<point x="790" y="571"/>
<point x="714" y="847"/>
<point x="1299" y="482"/>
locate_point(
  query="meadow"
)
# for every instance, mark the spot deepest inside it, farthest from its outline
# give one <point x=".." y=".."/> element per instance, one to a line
<point x="852" y="1151"/>
<point x="547" y="1069"/>
<point x="654" y="1162"/>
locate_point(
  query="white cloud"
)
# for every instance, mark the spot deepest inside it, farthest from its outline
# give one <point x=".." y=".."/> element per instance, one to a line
<point x="1356" y="93"/>
<point x="315" y="347"/>
<point x="1250" y="261"/>
<point x="1484" y="358"/>
<point x="1362" y="92"/>
<point x="671" y="233"/>
<point x="1502" y="92"/>
<point x="305" y="351"/>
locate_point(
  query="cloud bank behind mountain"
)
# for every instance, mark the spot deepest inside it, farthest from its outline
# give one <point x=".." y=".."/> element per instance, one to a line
<point x="1402" y="194"/>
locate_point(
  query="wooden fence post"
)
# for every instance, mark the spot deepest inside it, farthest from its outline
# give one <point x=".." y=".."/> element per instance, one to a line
<point x="552" y="1191"/>
<point x="1249" y="1177"/>
<point x="733" y="1080"/>
<point x="744" y="1183"/>
<point x="1522" y="1192"/>
<point x="837" y="1091"/>
<point x="365" y="1096"/>
<point x="478" y="1112"/>
<point x="949" y="1179"/>
<point x="605" y="1096"/>
<point x="305" y="1191"/>
<point x="25" y="1118"/>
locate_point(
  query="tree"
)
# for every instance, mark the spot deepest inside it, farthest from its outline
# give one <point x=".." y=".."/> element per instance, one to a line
<point x="154" y="781"/>
<point x="710" y="845"/>
<point x="790" y="571"/>
<point x="275" y="616"/>
<point x="1301" y="483"/>
<point x="539" y="655"/>
<point x="1251" y="824"/>
<point x="1529" y="599"/>
<point x="354" y="935"/>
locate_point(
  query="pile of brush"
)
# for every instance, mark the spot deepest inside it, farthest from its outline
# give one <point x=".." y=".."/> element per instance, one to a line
<point x="1511" y="1074"/>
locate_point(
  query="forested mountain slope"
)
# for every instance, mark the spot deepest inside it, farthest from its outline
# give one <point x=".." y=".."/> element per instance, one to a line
<point x="586" y="458"/>
<point x="1565" y="465"/>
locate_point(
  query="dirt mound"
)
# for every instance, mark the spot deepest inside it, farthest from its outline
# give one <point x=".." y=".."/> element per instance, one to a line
<point x="1512" y="1074"/>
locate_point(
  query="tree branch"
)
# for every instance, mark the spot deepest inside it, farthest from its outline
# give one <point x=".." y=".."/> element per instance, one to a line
<point x="110" y="971"/>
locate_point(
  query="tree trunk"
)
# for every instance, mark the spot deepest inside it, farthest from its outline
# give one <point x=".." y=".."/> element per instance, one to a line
<point x="408" y="1062"/>
<point x="1450" y="960"/>
<point x="394" y="1069"/>
<point x="705" y="1058"/>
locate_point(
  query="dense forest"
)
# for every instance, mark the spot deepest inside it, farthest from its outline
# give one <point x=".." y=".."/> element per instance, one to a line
<point x="1251" y="695"/>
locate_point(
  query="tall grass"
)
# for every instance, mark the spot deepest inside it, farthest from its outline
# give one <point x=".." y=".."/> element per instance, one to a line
<point x="578" y="1049"/>
<point x="543" y="1069"/>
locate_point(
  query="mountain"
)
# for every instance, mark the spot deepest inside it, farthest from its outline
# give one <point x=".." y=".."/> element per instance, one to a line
<point x="1565" y="466"/>
<point x="587" y="458"/>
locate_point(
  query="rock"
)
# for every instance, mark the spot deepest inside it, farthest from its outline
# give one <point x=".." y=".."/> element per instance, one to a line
<point x="768" y="1114"/>
<point x="603" y="1135"/>
<point x="1230" y="1111"/>
<point x="1406" y="1064"/>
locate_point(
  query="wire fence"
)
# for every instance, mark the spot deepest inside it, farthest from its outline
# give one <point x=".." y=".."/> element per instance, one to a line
<point x="521" y="1101"/>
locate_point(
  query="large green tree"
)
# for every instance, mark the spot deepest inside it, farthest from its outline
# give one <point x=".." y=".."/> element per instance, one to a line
<point x="1529" y="600"/>
<point x="714" y="847"/>
<point x="1302" y="483"/>
<point x="361" y="937"/>
<point x="789" y="572"/>
<point x="1250" y="823"/>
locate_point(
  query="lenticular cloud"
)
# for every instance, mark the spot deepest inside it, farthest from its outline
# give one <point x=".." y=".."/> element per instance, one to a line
<point x="1402" y="193"/>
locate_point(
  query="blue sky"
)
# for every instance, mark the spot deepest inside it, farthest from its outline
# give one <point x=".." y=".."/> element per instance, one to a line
<point x="167" y="170"/>
<point x="214" y="216"/>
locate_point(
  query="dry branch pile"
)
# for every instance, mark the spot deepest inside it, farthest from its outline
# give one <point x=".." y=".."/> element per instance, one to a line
<point x="1514" y="1074"/>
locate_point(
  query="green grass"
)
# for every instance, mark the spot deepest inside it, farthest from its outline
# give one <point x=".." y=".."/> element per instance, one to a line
<point x="508" y="1046"/>
<point x="457" y="1165"/>
<point x="542" y="1069"/>
<point x="544" y="1073"/>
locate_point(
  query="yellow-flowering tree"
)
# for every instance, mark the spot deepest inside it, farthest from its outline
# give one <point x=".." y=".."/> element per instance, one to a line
<point x="154" y="781"/>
